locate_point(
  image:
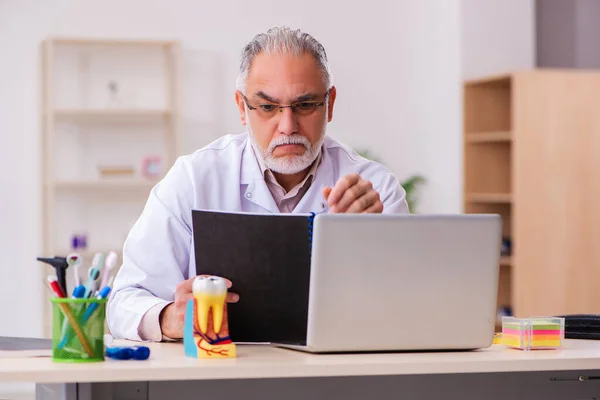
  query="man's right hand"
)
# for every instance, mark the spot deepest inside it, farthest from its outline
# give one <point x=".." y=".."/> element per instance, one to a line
<point x="172" y="316"/>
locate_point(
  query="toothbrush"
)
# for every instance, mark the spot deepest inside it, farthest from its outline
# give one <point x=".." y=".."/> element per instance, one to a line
<point x="94" y="274"/>
<point x="109" y="264"/>
<point x="74" y="260"/>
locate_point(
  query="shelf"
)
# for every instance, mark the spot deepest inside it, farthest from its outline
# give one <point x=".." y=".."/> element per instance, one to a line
<point x="489" y="197"/>
<point x="488" y="168"/>
<point x="499" y="80"/>
<point x="111" y="42"/>
<point x="502" y="209"/>
<point x="489" y="137"/>
<point x="110" y="114"/>
<point x="104" y="184"/>
<point x="506" y="261"/>
<point x="88" y="255"/>
<point x="487" y="105"/>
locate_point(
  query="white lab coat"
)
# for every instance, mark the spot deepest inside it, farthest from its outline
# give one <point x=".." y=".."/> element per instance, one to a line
<point x="225" y="175"/>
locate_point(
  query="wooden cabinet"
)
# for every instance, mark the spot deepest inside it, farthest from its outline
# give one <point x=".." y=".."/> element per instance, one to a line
<point x="532" y="155"/>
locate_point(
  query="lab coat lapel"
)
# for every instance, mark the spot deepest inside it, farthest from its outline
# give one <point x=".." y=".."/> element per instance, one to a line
<point x="253" y="185"/>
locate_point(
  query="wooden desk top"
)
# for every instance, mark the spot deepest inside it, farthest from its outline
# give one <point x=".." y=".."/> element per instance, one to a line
<point x="168" y="362"/>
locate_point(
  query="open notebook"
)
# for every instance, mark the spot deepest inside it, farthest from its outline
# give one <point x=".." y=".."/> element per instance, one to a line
<point x="267" y="258"/>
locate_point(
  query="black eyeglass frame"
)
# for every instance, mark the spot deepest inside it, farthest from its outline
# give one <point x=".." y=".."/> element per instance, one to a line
<point x="292" y="106"/>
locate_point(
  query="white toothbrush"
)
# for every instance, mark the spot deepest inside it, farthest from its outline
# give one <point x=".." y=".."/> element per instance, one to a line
<point x="74" y="260"/>
<point x="109" y="264"/>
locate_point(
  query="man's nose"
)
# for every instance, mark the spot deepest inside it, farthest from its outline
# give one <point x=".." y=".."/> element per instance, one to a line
<point x="288" y="124"/>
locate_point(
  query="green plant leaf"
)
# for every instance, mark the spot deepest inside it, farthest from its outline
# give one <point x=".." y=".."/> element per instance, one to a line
<point x="410" y="184"/>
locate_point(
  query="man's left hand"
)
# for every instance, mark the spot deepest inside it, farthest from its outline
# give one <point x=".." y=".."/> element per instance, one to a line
<point x="352" y="194"/>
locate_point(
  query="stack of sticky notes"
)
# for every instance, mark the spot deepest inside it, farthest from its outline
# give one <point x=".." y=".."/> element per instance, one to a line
<point x="533" y="333"/>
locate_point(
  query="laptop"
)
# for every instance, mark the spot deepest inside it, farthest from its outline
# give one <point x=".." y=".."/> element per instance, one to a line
<point x="402" y="283"/>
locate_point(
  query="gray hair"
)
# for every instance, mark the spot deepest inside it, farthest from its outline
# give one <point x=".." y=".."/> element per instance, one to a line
<point x="283" y="40"/>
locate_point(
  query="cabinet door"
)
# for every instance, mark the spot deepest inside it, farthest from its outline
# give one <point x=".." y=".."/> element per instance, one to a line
<point x="556" y="186"/>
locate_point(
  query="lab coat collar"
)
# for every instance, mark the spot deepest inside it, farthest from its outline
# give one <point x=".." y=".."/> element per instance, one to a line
<point x="257" y="191"/>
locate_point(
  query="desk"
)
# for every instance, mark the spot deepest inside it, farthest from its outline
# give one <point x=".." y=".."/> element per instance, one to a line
<point x="266" y="372"/>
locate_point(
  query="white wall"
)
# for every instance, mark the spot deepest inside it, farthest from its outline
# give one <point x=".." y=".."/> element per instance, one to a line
<point x="396" y="66"/>
<point x="498" y="36"/>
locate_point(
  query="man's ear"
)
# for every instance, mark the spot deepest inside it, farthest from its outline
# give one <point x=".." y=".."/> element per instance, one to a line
<point x="241" y="106"/>
<point x="330" y="103"/>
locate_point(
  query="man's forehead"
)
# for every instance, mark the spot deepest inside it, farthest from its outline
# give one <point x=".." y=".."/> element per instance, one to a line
<point x="285" y="75"/>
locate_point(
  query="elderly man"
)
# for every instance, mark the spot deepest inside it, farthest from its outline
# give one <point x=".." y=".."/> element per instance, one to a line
<point x="284" y="163"/>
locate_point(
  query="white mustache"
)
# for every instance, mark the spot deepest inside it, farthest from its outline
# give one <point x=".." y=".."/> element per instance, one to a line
<point x="282" y="140"/>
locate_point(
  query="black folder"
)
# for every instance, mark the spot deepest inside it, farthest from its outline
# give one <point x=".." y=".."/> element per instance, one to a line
<point x="267" y="258"/>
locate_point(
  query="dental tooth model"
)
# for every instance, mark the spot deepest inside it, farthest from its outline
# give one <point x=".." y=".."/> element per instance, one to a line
<point x="206" y="329"/>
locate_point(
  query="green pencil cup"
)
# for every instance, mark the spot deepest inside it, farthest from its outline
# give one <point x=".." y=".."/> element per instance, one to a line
<point x="78" y="330"/>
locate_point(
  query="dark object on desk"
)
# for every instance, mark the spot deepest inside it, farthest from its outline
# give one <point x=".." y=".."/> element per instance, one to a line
<point x="582" y="326"/>
<point x="60" y="265"/>
<point x="506" y="247"/>
<point x="267" y="258"/>
<point x="11" y="346"/>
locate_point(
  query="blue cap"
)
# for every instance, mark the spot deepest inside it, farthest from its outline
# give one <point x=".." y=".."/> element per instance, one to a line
<point x="127" y="353"/>
<point x="104" y="292"/>
<point x="141" y="353"/>
<point x="79" y="291"/>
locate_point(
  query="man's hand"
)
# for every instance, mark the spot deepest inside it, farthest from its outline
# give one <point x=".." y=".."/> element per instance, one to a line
<point x="172" y="316"/>
<point x="352" y="194"/>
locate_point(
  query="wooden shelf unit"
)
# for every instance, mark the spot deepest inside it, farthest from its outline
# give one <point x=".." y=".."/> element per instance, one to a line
<point x="489" y="198"/>
<point x="92" y="116"/>
<point x="104" y="184"/>
<point x="531" y="145"/>
<point x="109" y="114"/>
<point x="506" y="261"/>
<point x="89" y="254"/>
<point x="489" y="137"/>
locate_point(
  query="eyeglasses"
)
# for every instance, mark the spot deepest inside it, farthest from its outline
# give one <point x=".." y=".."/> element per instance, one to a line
<point x="302" y="108"/>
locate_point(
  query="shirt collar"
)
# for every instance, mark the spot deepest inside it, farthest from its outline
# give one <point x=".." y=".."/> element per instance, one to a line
<point x="270" y="177"/>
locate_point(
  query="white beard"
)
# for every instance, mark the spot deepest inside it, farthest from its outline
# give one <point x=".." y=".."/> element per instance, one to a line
<point x="291" y="164"/>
